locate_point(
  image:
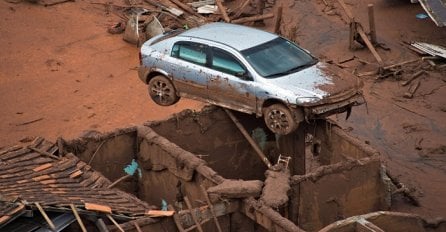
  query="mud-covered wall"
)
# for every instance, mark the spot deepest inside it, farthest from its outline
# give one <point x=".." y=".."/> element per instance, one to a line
<point x="213" y="136"/>
<point x="107" y="153"/>
<point x="338" y="191"/>
<point x="335" y="145"/>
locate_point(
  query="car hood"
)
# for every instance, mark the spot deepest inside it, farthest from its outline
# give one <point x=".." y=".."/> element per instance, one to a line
<point x="319" y="82"/>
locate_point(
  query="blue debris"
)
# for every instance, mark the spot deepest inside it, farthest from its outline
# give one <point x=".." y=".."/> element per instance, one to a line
<point x="421" y="16"/>
<point x="131" y="169"/>
<point x="163" y="205"/>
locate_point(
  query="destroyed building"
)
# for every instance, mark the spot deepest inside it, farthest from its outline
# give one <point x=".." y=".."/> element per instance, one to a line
<point x="196" y="171"/>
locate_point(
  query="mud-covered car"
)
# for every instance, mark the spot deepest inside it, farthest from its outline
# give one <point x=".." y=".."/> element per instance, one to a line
<point x="247" y="70"/>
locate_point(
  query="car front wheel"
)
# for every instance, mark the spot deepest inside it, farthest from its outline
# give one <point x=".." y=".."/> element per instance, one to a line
<point x="162" y="91"/>
<point x="279" y="119"/>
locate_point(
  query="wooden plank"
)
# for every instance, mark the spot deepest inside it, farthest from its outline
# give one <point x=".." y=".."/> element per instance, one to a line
<point x="43" y="167"/>
<point x="76" y="174"/>
<point x="98" y="208"/>
<point x="160" y="213"/>
<point x="253" y="18"/>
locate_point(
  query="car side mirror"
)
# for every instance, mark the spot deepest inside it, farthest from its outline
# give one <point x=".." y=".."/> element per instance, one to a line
<point x="243" y="75"/>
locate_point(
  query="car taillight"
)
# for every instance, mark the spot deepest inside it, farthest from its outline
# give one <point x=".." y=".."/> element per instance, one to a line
<point x="140" y="58"/>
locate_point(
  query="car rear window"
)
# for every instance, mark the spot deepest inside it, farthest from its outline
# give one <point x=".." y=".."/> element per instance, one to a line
<point x="192" y="52"/>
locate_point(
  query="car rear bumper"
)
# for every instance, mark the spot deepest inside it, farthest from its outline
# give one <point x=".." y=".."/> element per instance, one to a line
<point x="143" y="72"/>
<point x="328" y="109"/>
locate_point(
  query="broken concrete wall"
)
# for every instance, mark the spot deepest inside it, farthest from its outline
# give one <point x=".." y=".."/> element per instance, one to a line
<point x="335" y="145"/>
<point x="338" y="191"/>
<point x="213" y="136"/>
<point x="108" y="153"/>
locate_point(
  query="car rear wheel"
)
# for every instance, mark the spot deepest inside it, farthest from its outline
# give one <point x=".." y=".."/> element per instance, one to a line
<point x="279" y="119"/>
<point x="162" y="91"/>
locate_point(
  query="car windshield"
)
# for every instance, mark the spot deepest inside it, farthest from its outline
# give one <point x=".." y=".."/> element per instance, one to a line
<point x="278" y="57"/>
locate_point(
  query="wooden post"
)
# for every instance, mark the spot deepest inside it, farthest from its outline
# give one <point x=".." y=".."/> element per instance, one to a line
<point x="78" y="218"/>
<point x="240" y="10"/>
<point x="253" y="18"/>
<point x="372" y="24"/>
<point x="250" y="140"/>
<point x="137" y="227"/>
<point x="278" y="19"/>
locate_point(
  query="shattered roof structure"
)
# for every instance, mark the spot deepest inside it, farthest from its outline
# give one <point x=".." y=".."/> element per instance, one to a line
<point x="436" y="9"/>
<point x="33" y="177"/>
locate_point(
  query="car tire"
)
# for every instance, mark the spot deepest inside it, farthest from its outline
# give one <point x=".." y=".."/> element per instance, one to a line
<point x="162" y="91"/>
<point x="279" y="119"/>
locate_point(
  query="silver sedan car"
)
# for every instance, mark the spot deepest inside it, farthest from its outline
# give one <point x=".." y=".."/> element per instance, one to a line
<point x="246" y="70"/>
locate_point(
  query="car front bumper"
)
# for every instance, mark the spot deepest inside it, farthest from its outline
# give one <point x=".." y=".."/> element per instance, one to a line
<point x="322" y="111"/>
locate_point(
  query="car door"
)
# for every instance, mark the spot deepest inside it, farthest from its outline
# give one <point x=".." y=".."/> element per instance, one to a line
<point x="230" y="84"/>
<point x="188" y="69"/>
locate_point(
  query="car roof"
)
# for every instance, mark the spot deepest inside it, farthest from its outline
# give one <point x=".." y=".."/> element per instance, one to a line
<point x="236" y="36"/>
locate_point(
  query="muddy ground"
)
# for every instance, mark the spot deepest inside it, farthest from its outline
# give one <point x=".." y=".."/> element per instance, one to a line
<point x="61" y="73"/>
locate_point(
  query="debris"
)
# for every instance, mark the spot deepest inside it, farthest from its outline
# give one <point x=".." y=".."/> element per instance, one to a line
<point x="275" y="191"/>
<point x="185" y="7"/>
<point x="78" y="218"/>
<point x="241" y="8"/>
<point x="29" y="122"/>
<point x="174" y="11"/>
<point x="131" y="33"/>
<point x="52" y="3"/>
<point x="412" y="89"/>
<point x="223" y="11"/>
<point x="115" y="223"/>
<point x="207" y="9"/>
<point x="198" y="4"/>
<point x="237" y="188"/>
<point x="211" y="207"/>
<point x="250" y="140"/>
<point x="194" y="217"/>
<point x="421" y="16"/>
<point x="253" y="18"/>
<point x="413" y="77"/>
<point x="153" y="28"/>
<point x="431" y="49"/>
<point x="117" y="28"/>
<point x="47" y="219"/>
<point x="278" y="19"/>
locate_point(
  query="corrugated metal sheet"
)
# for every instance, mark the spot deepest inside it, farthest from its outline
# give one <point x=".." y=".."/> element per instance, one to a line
<point x="436" y="9"/>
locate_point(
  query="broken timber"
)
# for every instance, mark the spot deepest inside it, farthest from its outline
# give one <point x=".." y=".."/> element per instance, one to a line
<point x="356" y="29"/>
<point x="250" y="140"/>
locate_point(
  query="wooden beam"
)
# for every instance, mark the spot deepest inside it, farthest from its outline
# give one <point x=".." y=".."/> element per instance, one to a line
<point x="372" y="23"/>
<point x="241" y="9"/>
<point x="223" y="10"/>
<point x="45" y="216"/>
<point x="370" y="46"/>
<point x="176" y="219"/>
<point x="204" y="213"/>
<point x="248" y="137"/>
<point x="253" y="18"/>
<point x="78" y="218"/>
<point x="137" y="227"/>
<point x="118" y="181"/>
<point x="115" y="223"/>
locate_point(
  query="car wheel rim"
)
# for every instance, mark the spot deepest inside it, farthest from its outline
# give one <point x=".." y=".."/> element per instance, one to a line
<point x="278" y="120"/>
<point x="162" y="91"/>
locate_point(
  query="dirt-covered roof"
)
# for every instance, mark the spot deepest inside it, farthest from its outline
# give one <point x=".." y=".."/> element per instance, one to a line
<point x="36" y="174"/>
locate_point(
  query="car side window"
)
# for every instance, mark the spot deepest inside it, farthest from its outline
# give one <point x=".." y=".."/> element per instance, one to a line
<point x="192" y="52"/>
<point x="227" y="63"/>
